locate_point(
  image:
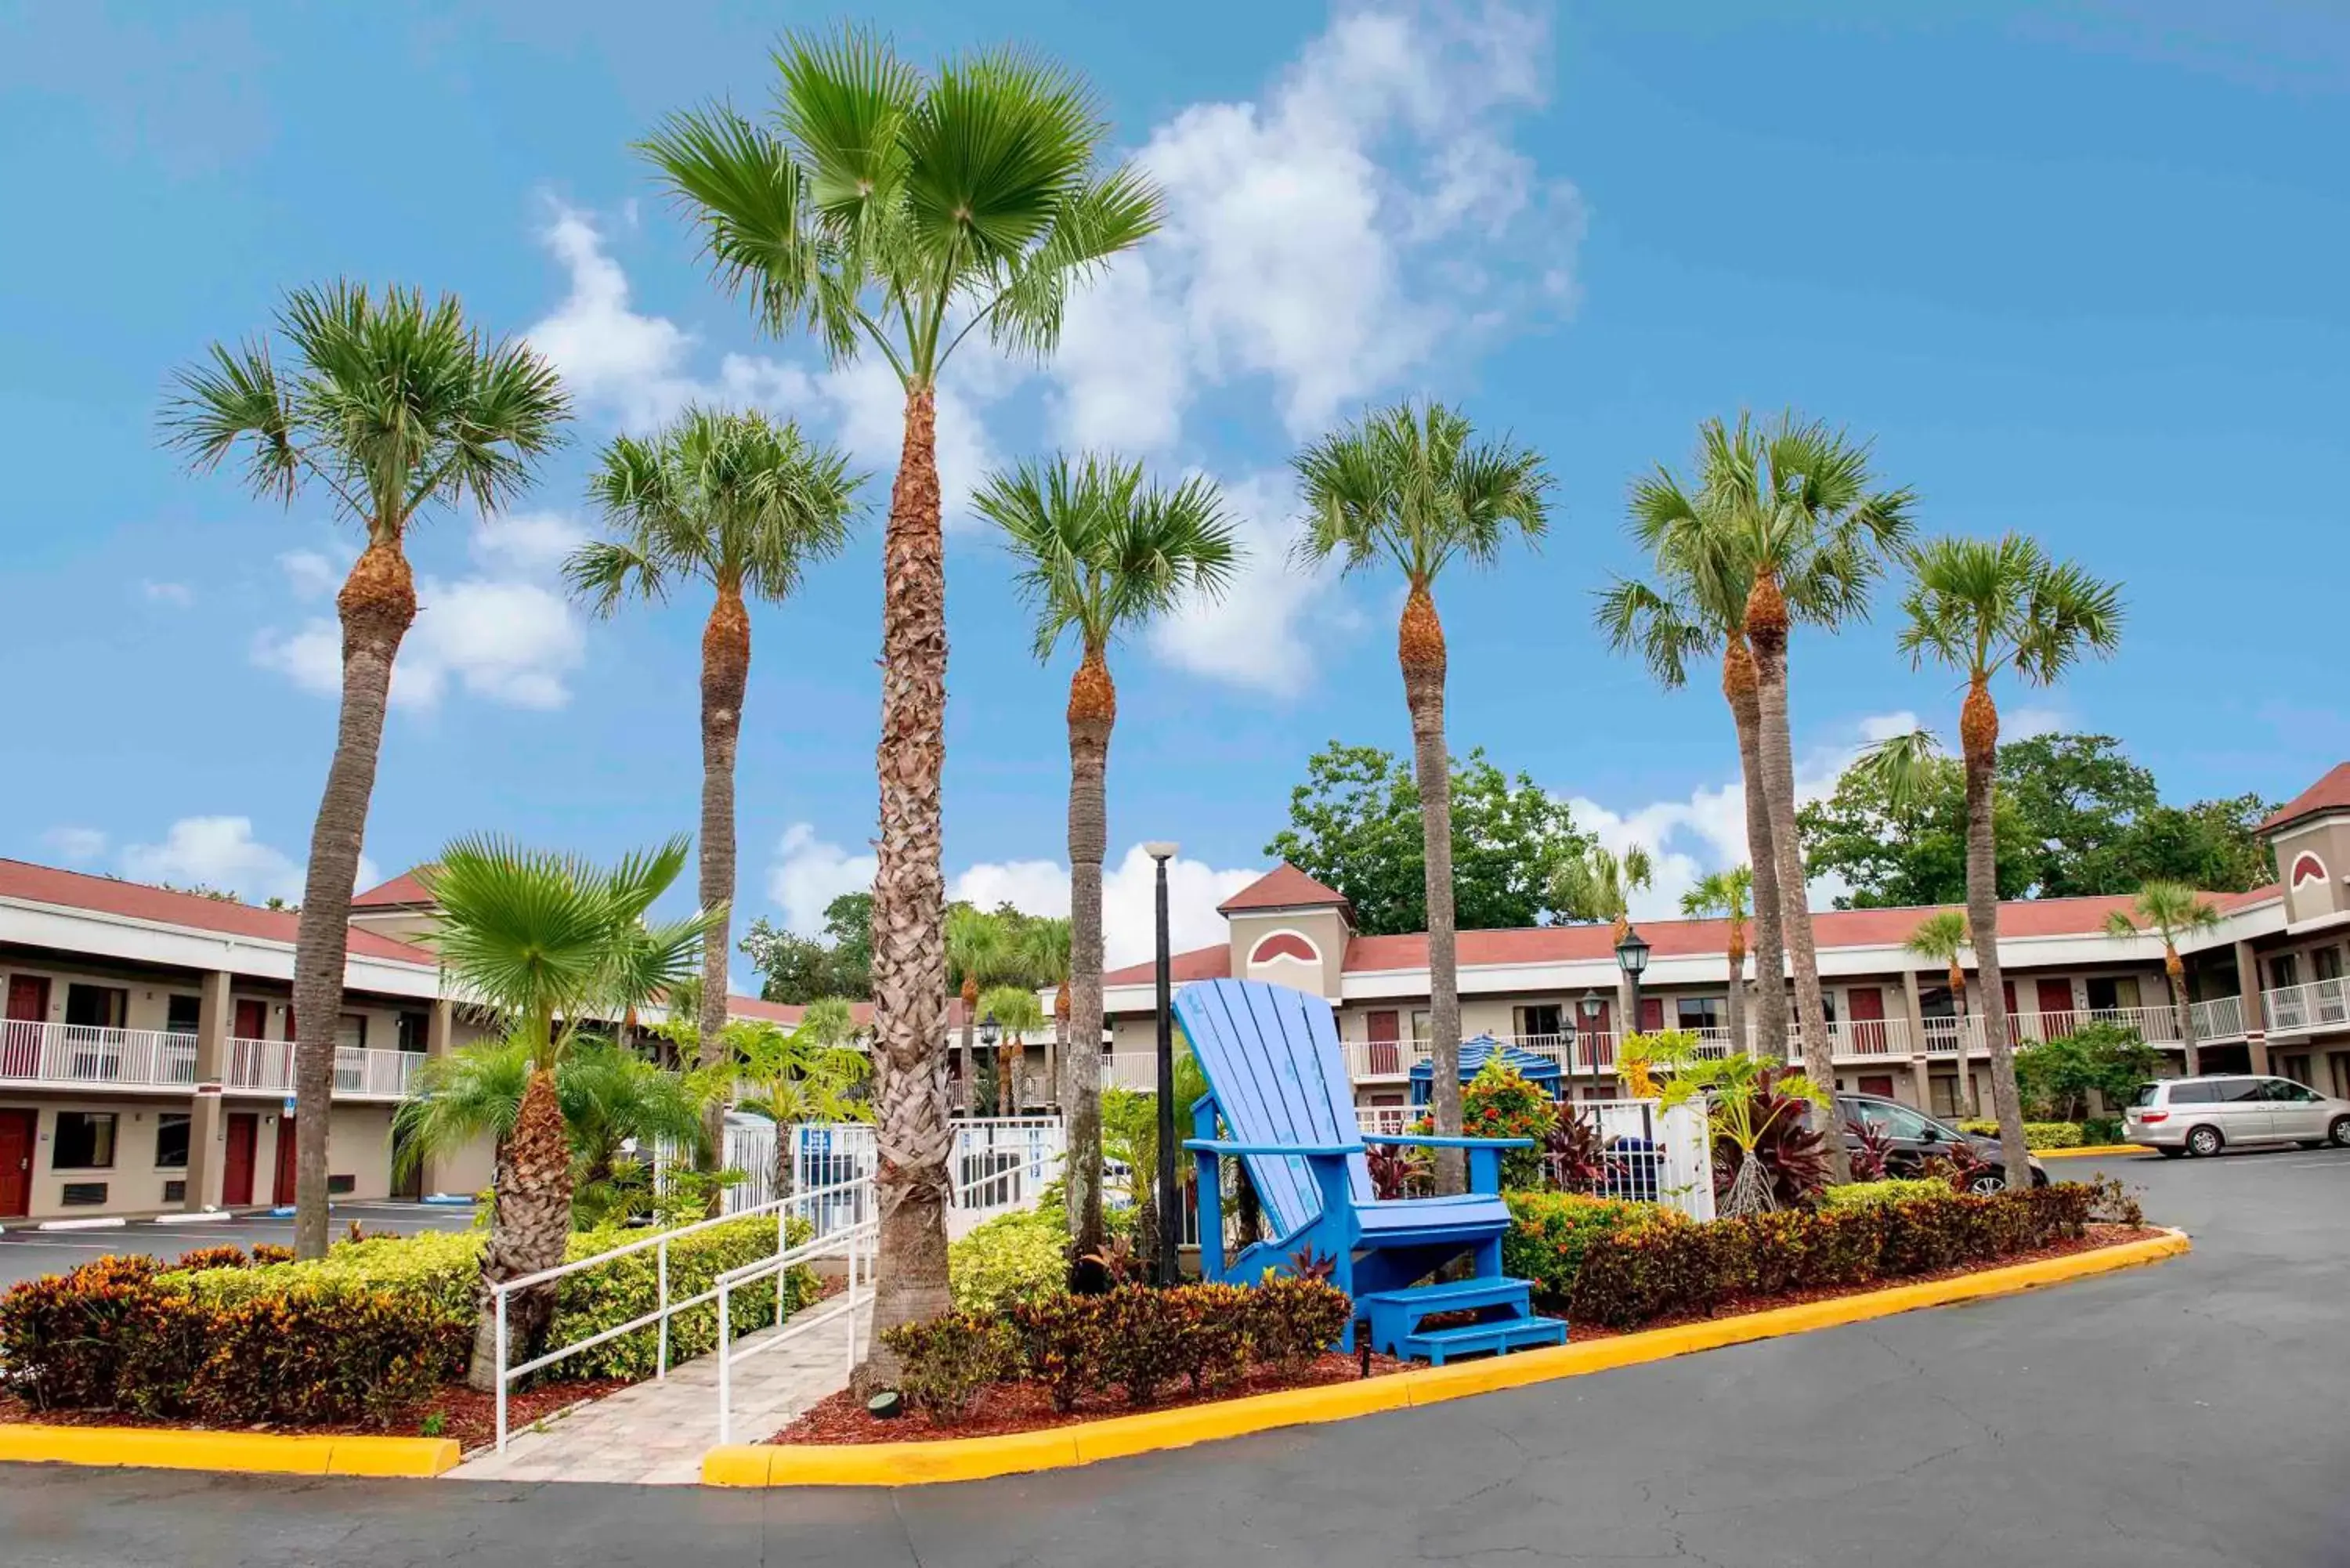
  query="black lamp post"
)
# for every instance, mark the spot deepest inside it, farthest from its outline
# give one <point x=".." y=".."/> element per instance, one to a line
<point x="989" y="1032"/>
<point x="1171" y="1228"/>
<point x="1632" y="958"/>
<point x="1592" y="1006"/>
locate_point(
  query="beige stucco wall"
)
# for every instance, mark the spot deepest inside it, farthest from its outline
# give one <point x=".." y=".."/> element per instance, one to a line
<point x="1323" y="929"/>
<point x="2328" y="838"/>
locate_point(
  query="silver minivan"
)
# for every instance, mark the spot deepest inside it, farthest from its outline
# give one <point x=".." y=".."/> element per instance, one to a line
<point x="2203" y="1115"/>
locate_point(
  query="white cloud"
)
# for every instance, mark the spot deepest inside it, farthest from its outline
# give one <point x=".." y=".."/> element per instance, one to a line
<point x="1707" y="831"/>
<point x="221" y="853"/>
<point x="179" y="596"/>
<point x="526" y="542"/>
<point x="809" y="872"/>
<point x="311" y="656"/>
<point x="608" y="354"/>
<point x="2018" y="723"/>
<point x="1365" y="214"/>
<point x="75" y="845"/>
<point x="1263" y="632"/>
<point x="312" y="573"/>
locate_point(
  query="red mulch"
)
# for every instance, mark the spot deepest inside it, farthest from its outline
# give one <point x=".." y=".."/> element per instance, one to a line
<point x="1008" y="1407"/>
<point x="1028" y="1407"/>
<point x="469" y="1417"/>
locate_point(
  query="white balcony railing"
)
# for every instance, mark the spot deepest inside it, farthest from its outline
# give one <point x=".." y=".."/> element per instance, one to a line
<point x="2315" y="1004"/>
<point x="38" y="1052"/>
<point x="2219" y="1018"/>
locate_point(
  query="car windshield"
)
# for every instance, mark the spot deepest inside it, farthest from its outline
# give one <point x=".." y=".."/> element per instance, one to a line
<point x="2145" y="1096"/>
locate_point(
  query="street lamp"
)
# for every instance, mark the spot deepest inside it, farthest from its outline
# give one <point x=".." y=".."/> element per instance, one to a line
<point x="1592" y="1006"/>
<point x="1170" y="1230"/>
<point x="1632" y="958"/>
<point x="989" y="1032"/>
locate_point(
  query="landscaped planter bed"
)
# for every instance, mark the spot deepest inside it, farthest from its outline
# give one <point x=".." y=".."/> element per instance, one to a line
<point x="467" y="1417"/>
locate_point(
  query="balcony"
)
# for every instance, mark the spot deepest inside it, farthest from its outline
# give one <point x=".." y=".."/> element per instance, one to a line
<point x="81" y="1057"/>
<point x="2313" y="1006"/>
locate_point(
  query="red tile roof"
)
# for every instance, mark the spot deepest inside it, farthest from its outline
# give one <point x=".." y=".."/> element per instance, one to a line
<point x="2331" y="792"/>
<point x="1200" y="963"/>
<point x="1283" y="888"/>
<point x="401" y="889"/>
<point x="138" y="901"/>
<point x="790" y="1014"/>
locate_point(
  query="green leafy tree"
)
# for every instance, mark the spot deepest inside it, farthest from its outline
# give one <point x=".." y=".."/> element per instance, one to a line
<point x="979" y="953"/>
<point x="1943" y="937"/>
<point x="548" y="942"/>
<point x="744" y="505"/>
<point x="1045" y="944"/>
<point x="1907" y="852"/>
<point x="1728" y="895"/>
<point x="2169" y="910"/>
<point x="1983" y="607"/>
<point x="809" y="1073"/>
<point x="1413" y="489"/>
<point x="391" y="406"/>
<point x="799" y="969"/>
<point x="2057" y="1076"/>
<point x="1354" y="826"/>
<point x="887" y="207"/>
<point x="1101" y="552"/>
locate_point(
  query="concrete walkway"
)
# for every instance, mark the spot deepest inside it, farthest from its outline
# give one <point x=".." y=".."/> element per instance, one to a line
<point x="654" y="1434"/>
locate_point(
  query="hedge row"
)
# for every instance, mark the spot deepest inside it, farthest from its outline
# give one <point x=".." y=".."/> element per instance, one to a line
<point x="355" y="1337"/>
<point x="2040" y="1134"/>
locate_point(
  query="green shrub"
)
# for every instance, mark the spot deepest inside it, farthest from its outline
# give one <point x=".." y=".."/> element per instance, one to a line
<point x="325" y="1352"/>
<point x="224" y="1256"/>
<point x="2036" y="1134"/>
<point x="1873" y="1194"/>
<point x="1549" y="1231"/>
<point x="593" y="1299"/>
<point x="440" y="1268"/>
<point x="109" y="1335"/>
<point x="1215" y="1336"/>
<point x="945" y="1363"/>
<point x="1140" y="1339"/>
<point x="1291" y="1321"/>
<point x="1499" y="1102"/>
<point x="1146" y="1336"/>
<point x="1060" y="1345"/>
<point x="2096" y="1130"/>
<point x="1010" y="1260"/>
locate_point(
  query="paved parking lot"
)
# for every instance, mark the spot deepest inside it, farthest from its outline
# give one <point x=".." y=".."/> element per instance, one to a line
<point x="2189" y="1414"/>
<point x="26" y="1254"/>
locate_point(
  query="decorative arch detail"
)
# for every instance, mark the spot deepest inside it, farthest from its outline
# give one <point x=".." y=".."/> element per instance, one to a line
<point x="2307" y="868"/>
<point x="1284" y="944"/>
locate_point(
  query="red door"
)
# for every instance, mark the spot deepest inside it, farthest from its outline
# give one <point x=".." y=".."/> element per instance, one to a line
<point x="20" y="1035"/>
<point x="2055" y="1009"/>
<point x="1652" y="1015"/>
<point x="1865" y="1005"/>
<point x="1878" y="1083"/>
<point x="16" y="1162"/>
<point x="283" y="1192"/>
<point x="252" y="1019"/>
<point x="1386" y="1057"/>
<point x="236" y="1168"/>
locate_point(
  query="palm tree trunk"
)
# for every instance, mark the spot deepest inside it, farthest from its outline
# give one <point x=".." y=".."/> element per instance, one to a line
<point x="1735" y="1008"/>
<point x="1739" y="686"/>
<point x="966" y="1069"/>
<point x="2188" y="1044"/>
<point x="1420" y="647"/>
<point x="1093" y="710"/>
<point x="725" y="672"/>
<point x="911" y="1136"/>
<point x="1979" y="739"/>
<point x="1965" y="1099"/>
<point x="377" y="605"/>
<point x="529" y="1226"/>
<point x="1766" y="634"/>
<point x="1057" y="1054"/>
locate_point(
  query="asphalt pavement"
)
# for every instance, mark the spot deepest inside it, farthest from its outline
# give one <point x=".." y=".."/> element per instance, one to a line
<point x="28" y="1252"/>
<point x="2188" y="1414"/>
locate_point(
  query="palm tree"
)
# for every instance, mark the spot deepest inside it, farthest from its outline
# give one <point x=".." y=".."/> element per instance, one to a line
<point x="1728" y="895"/>
<point x="1943" y="937"/>
<point x="745" y="506"/>
<point x="2170" y="911"/>
<point x="1414" y="488"/>
<point x="390" y="405"/>
<point x="1981" y="607"/>
<point x="1800" y="509"/>
<point x="889" y="207"/>
<point x="1018" y="1014"/>
<point x="802" y="1074"/>
<point x="1045" y="947"/>
<point x="1101" y="552"/>
<point x="1598" y="885"/>
<point x="978" y="947"/>
<point x="549" y="942"/>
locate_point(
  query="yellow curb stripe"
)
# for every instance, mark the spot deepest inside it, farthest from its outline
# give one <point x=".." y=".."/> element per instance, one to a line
<point x="2103" y="1150"/>
<point x="982" y="1459"/>
<point x="248" y="1452"/>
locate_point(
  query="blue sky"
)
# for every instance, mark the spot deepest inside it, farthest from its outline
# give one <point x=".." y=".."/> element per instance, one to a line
<point x="2074" y="266"/>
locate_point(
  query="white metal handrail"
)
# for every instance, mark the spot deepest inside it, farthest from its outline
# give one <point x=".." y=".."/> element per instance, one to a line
<point x="2312" y="1004"/>
<point x="856" y="1240"/>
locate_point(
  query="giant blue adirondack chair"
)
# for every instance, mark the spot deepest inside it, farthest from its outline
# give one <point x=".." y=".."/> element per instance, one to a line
<point x="1278" y="1099"/>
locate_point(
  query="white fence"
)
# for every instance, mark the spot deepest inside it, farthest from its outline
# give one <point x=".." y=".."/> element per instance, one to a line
<point x="1648" y="1153"/>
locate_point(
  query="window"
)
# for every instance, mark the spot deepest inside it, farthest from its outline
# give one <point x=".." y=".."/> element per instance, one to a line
<point x="2284" y="970"/>
<point x="1701" y="1012"/>
<point x="1894" y="1121"/>
<point x="2279" y="1091"/>
<point x="2110" y="991"/>
<point x="2240" y="1091"/>
<point x="84" y="1140"/>
<point x="172" y="1141"/>
<point x="351" y="1032"/>
<point x="2326" y="963"/>
<point x="1419" y="1023"/>
<point x="2145" y="1095"/>
<point x="1538" y="1020"/>
<point x="411" y="1030"/>
<point x="2206" y="1094"/>
<point x="96" y="1006"/>
<point x="182" y="1012"/>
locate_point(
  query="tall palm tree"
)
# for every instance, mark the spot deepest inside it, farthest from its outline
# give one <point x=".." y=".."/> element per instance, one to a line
<point x="549" y="942"/>
<point x="1802" y="508"/>
<point x="1980" y="608"/>
<point x="2170" y="911"/>
<point x="1728" y="895"/>
<point x="1100" y="552"/>
<point x="885" y="206"/>
<point x="1413" y="488"/>
<point x="1045" y="945"/>
<point x="1943" y="937"/>
<point x="743" y="504"/>
<point x="1598" y="885"/>
<point x="978" y="947"/>
<point x="1019" y="1015"/>
<point x="390" y="405"/>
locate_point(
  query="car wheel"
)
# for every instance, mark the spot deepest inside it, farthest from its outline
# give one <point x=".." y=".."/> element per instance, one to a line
<point x="2039" y="1178"/>
<point x="2203" y="1141"/>
<point x="2169" y="1151"/>
<point x="2338" y="1135"/>
<point x="1987" y="1184"/>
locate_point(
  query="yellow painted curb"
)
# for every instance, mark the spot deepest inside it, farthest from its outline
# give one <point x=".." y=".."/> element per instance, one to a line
<point x="981" y="1458"/>
<point x="2104" y="1150"/>
<point x="157" y="1448"/>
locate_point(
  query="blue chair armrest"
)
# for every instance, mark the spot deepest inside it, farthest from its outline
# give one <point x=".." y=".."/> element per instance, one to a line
<point x="1303" y="1150"/>
<point x="1429" y="1140"/>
